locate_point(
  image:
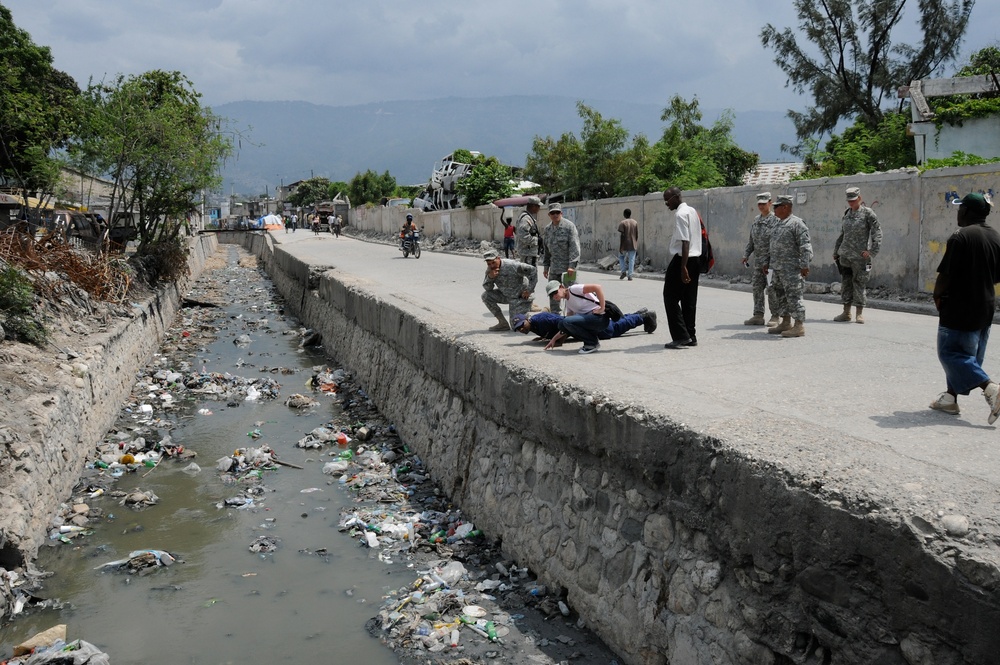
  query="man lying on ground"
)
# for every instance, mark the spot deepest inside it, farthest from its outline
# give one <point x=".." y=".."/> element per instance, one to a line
<point x="545" y="325"/>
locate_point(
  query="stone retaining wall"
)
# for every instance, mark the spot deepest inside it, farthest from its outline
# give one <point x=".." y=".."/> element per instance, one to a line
<point x="673" y="547"/>
<point x="68" y="415"/>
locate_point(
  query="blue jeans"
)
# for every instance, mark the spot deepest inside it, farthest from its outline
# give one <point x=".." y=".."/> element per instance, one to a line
<point x="585" y="327"/>
<point x="961" y="353"/>
<point x="629" y="258"/>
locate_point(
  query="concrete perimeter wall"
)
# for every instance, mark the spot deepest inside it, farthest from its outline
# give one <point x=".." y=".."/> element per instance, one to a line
<point x="674" y="547"/>
<point x="913" y="210"/>
<point x="66" y="417"/>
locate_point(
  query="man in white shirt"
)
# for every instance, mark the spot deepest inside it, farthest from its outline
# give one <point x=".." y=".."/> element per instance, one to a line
<point x="680" y="285"/>
<point x="584" y="314"/>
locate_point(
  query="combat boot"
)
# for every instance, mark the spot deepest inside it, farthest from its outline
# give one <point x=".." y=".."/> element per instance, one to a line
<point x="858" y="317"/>
<point x="786" y="324"/>
<point x="845" y="315"/>
<point x="773" y="321"/>
<point x="798" y="330"/>
<point x="500" y="326"/>
<point x="755" y="320"/>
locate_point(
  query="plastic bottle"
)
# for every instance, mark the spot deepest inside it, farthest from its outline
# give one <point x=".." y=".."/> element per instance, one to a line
<point x="491" y="631"/>
<point x="346" y="454"/>
<point x="341" y="439"/>
<point x="454" y="637"/>
<point x="100" y="464"/>
<point x="538" y="590"/>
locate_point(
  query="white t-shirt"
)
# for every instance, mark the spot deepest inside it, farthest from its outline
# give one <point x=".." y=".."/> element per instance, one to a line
<point x="579" y="302"/>
<point x="687" y="226"/>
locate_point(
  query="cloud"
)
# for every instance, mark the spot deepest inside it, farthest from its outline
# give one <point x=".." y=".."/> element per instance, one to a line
<point x="381" y="50"/>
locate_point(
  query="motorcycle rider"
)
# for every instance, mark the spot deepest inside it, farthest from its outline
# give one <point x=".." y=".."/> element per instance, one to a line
<point x="408" y="228"/>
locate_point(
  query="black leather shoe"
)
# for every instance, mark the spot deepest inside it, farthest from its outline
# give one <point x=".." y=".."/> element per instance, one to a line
<point x="678" y="344"/>
<point x="692" y="342"/>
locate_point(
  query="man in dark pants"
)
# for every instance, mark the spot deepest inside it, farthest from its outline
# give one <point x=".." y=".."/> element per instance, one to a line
<point x="965" y="297"/>
<point x="680" y="286"/>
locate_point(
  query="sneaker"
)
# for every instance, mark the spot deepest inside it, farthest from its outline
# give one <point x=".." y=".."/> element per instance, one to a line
<point x="622" y="276"/>
<point x="589" y="349"/>
<point x="946" y="403"/>
<point x="678" y="344"/>
<point x="649" y="321"/>
<point x="992" y="395"/>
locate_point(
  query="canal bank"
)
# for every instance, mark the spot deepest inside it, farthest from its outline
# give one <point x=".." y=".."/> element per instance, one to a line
<point x="58" y="400"/>
<point x="686" y="522"/>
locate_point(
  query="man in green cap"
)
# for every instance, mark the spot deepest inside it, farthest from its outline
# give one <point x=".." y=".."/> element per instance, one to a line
<point x="965" y="297"/>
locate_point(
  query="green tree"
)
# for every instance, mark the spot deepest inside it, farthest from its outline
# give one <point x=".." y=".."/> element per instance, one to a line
<point x="854" y="65"/>
<point x="488" y="181"/>
<point x="691" y="156"/>
<point x="370" y="187"/>
<point x="310" y="191"/>
<point x="39" y="111"/>
<point x="601" y="162"/>
<point x="158" y="145"/>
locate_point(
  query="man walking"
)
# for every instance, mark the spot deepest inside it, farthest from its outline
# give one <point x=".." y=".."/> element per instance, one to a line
<point x="965" y="299"/>
<point x="562" y="251"/>
<point x="680" y="285"/>
<point x="788" y="255"/>
<point x="526" y="232"/>
<point x="859" y="241"/>
<point x="628" y="230"/>
<point x="507" y="282"/>
<point x="760" y="238"/>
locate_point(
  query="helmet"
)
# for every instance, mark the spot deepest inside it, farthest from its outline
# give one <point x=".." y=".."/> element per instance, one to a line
<point x="409" y="218"/>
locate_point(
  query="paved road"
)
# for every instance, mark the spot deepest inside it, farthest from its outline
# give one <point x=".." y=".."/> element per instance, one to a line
<point x="842" y="410"/>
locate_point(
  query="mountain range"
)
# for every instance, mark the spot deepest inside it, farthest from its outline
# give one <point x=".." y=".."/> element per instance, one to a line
<point x="278" y="143"/>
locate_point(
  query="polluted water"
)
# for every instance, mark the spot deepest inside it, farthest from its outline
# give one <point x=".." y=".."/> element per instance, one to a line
<point x="161" y="556"/>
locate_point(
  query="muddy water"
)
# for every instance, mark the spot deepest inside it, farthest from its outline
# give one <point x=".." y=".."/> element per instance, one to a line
<point x="221" y="603"/>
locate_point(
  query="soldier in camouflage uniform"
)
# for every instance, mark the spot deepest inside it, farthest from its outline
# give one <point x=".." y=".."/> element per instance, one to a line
<point x="562" y="251"/>
<point x="526" y="232"/>
<point x="788" y="254"/>
<point x="760" y="238"/>
<point x="859" y="241"/>
<point x="507" y="282"/>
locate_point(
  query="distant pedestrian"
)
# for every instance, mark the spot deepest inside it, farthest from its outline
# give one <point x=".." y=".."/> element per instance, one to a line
<point x="508" y="237"/>
<point x="680" y="284"/>
<point x="628" y="232"/>
<point x="562" y="251"/>
<point x="788" y="256"/>
<point x="859" y="241"/>
<point x="507" y="282"/>
<point x="965" y="297"/>
<point x="330" y="224"/>
<point x="526" y="234"/>
<point x="760" y="238"/>
<point x="585" y="318"/>
<point x="335" y="225"/>
<point x="295" y="222"/>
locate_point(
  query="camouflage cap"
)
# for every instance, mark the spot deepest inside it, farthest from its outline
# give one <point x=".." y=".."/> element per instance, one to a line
<point x="555" y="207"/>
<point x="763" y="197"/>
<point x="552" y="287"/>
<point x="533" y="201"/>
<point x="853" y="193"/>
<point x="783" y="199"/>
<point x="490" y="254"/>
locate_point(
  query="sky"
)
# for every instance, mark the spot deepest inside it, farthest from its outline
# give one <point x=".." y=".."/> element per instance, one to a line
<point x="347" y="52"/>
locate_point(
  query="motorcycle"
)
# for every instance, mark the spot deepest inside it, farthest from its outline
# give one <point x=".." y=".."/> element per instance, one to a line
<point x="411" y="244"/>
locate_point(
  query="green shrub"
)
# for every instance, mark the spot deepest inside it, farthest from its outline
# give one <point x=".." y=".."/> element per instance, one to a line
<point x="16" y="312"/>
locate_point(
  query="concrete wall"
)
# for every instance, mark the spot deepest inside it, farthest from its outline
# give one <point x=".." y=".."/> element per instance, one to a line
<point x="912" y="209"/>
<point x="67" y="416"/>
<point x="672" y="546"/>
<point x="976" y="136"/>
